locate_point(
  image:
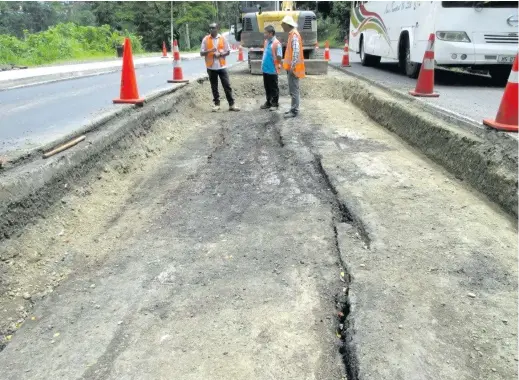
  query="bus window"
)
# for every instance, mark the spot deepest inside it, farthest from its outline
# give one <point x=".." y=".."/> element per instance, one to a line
<point x="479" y="4"/>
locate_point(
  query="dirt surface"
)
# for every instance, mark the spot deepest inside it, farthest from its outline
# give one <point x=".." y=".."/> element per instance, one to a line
<point x="214" y="247"/>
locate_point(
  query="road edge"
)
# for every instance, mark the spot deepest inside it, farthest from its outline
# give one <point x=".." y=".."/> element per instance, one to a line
<point x="51" y="78"/>
<point x="31" y="186"/>
<point x="488" y="164"/>
<point x="469" y="125"/>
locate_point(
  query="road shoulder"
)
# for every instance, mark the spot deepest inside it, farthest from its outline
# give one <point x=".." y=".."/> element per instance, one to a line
<point x="40" y="75"/>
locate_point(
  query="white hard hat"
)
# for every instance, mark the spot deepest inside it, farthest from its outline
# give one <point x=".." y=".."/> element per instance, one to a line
<point x="289" y="21"/>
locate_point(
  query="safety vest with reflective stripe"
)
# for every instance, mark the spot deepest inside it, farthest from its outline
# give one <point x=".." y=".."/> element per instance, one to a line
<point x="299" y="69"/>
<point x="209" y="58"/>
<point x="275" y="44"/>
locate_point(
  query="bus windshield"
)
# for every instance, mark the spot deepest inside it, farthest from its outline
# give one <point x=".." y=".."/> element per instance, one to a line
<point x="479" y="4"/>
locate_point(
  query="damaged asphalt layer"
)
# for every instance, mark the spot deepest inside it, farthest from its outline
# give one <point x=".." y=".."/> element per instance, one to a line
<point x="238" y="246"/>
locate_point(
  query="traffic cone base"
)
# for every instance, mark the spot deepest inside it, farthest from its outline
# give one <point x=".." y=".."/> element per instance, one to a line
<point x="178" y="77"/>
<point x="502" y="127"/>
<point x="138" y="102"/>
<point x="129" y="93"/>
<point x="423" y="95"/>
<point x="507" y="115"/>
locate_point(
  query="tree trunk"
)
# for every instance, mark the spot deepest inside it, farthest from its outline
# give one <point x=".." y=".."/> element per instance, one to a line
<point x="188" y="41"/>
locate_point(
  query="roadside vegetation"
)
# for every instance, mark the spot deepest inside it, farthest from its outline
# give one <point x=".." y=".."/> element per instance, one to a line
<point x="37" y="32"/>
<point x="64" y="42"/>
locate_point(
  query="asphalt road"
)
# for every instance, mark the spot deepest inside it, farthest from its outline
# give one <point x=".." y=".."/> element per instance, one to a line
<point x="472" y="96"/>
<point x="36" y="115"/>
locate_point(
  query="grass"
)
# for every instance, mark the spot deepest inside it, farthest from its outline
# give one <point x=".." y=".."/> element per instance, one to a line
<point x="63" y="43"/>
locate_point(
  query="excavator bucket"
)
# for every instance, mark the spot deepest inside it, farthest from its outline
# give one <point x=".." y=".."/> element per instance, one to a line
<point x="316" y="67"/>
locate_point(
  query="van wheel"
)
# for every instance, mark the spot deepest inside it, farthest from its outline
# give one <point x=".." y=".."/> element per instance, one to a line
<point x="367" y="59"/>
<point x="411" y="69"/>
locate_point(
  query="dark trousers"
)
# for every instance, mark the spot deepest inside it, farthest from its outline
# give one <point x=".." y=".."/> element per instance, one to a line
<point x="270" y="81"/>
<point x="226" y="84"/>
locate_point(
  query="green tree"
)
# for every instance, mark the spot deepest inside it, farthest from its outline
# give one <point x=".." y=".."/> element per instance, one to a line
<point x="194" y="20"/>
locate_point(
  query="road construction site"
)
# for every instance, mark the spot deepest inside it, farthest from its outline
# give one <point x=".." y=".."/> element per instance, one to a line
<point x="368" y="238"/>
<point x="55" y="108"/>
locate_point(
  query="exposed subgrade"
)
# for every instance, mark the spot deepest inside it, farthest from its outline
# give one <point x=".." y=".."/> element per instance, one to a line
<point x="341" y="215"/>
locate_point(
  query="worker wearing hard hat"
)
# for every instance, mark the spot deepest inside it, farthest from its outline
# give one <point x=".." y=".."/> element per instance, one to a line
<point x="215" y="48"/>
<point x="270" y="66"/>
<point x="293" y="62"/>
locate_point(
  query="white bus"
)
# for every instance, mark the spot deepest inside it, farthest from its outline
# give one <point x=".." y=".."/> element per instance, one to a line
<point x="481" y="35"/>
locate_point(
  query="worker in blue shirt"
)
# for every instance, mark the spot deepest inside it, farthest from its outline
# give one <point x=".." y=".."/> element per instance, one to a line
<point x="270" y="66"/>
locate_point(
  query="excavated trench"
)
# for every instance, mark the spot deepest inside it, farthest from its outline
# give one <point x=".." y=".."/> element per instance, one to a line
<point x="91" y="203"/>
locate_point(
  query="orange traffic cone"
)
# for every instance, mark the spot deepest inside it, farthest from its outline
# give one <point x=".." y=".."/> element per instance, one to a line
<point x="129" y="93"/>
<point x="164" y="50"/>
<point x="327" y="50"/>
<point x="240" y="54"/>
<point x="425" y="84"/>
<point x="346" y="55"/>
<point x="506" y="119"/>
<point x="178" y="77"/>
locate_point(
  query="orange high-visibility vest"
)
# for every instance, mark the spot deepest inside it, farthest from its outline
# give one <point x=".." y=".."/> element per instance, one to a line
<point x="209" y="58"/>
<point x="299" y="69"/>
<point x="275" y="44"/>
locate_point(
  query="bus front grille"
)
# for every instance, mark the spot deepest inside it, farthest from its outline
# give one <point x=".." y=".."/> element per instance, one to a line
<point x="501" y="38"/>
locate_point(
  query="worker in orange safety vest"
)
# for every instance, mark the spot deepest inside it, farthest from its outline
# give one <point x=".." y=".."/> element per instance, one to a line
<point x="293" y="63"/>
<point x="270" y="66"/>
<point x="215" y="48"/>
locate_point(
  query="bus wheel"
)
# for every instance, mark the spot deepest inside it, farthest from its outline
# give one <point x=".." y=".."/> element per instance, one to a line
<point x="367" y="59"/>
<point x="500" y="74"/>
<point x="411" y="69"/>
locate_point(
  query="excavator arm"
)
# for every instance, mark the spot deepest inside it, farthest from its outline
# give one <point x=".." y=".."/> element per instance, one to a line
<point x="288" y="6"/>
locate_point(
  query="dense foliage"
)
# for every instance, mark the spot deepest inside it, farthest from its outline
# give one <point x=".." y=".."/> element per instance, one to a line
<point x="36" y="32"/>
<point x="62" y="42"/>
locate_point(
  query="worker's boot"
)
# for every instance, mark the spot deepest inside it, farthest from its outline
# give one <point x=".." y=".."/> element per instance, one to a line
<point x="265" y="106"/>
<point x="216" y="108"/>
<point x="233" y="108"/>
<point x="274" y="107"/>
<point x="290" y="114"/>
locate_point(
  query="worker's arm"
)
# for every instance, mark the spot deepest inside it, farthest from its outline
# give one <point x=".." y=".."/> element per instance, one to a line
<point x="203" y="51"/>
<point x="295" y="52"/>
<point x="279" y="53"/>
<point x="226" y="48"/>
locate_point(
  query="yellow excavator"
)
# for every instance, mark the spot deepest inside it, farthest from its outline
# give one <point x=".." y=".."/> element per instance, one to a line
<point x="256" y="15"/>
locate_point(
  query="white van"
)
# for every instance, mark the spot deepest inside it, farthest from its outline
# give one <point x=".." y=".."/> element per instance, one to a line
<point x="481" y="35"/>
